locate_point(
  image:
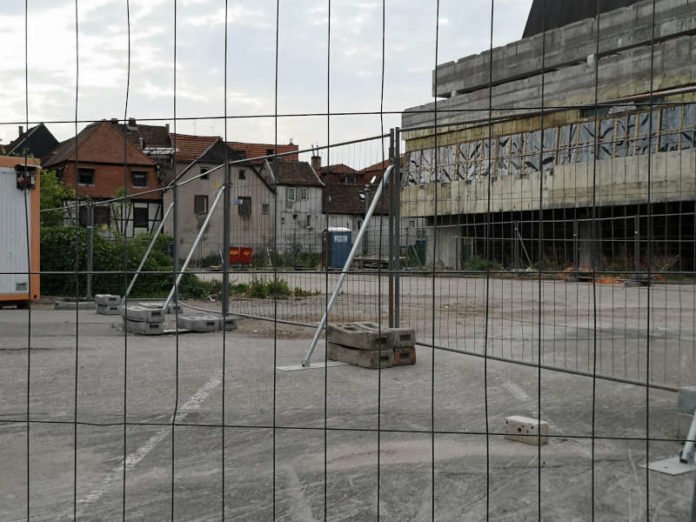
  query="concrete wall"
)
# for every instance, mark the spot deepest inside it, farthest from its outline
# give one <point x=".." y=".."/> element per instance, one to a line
<point x="294" y="231"/>
<point x="255" y="230"/>
<point x="618" y="181"/>
<point x="619" y="30"/>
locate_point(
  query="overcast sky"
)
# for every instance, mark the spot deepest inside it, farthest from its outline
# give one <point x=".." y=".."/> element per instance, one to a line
<point x="355" y="71"/>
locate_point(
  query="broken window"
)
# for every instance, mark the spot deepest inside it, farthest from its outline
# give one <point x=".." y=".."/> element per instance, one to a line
<point x="532" y="152"/>
<point x="503" y="155"/>
<point x="607" y="134"/>
<point x="516" y="151"/>
<point x="647" y="124"/>
<point x="669" y="129"/>
<point x="586" y="142"/>
<point x="550" y="148"/>
<point x="688" y="124"/>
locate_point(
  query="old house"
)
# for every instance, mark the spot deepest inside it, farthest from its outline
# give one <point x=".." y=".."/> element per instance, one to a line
<point x="36" y="142"/>
<point x="101" y="163"/>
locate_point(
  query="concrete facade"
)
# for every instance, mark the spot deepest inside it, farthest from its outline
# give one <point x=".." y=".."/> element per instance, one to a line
<point x="600" y="113"/>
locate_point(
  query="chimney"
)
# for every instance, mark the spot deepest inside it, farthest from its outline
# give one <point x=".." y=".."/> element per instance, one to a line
<point x="316" y="162"/>
<point x="132" y="123"/>
<point x="166" y="126"/>
<point x="21" y="130"/>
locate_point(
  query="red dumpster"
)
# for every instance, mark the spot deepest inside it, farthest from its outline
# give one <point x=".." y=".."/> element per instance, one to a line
<point x="241" y="255"/>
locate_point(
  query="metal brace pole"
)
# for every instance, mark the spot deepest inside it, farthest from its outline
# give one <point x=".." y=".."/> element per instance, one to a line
<point x="392" y="263"/>
<point x="90" y="251"/>
<point x="397" y="228"/>
<point x="344" y="272"/>
<point x="193" y="247"/>
<point x="149" y="250"/>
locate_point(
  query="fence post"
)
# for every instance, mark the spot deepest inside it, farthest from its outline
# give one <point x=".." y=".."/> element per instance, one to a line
<point x="90" y="250"/>
<point x="636" y="246"/>
<point x="396" y="180"/>
<point x="226" y="201"/>
<point x="391" y="206"/>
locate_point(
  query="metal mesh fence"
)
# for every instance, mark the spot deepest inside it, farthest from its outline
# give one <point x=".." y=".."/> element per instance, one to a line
<point x="534" y="224"/>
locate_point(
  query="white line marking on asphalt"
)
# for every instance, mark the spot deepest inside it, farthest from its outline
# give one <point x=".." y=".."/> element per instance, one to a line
<point x="132" y="460"/>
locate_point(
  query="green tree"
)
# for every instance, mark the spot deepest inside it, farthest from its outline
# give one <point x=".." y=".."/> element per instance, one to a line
<point x="53" y="195"/>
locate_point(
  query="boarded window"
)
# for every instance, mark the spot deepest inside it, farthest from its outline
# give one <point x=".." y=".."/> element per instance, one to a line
<point x="647" y="124"/>
<point x="586" y="142"/>
<point x="607" y="136"/>
<point x="200" y="205"/>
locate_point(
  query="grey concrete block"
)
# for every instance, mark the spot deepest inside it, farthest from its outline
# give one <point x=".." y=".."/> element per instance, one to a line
<point x="363" y="336"/>
<point x="140" y="313"/>
<point x="158" y="305"/>
<point x="229" y="323"/>
<point x="405" y="356"/>
<point x="371" y="359"/>
<point x="199" y="323"/>
<point x="144" y="327"/>
<point x="107" y="299"/>
<point x="686" y="401"/>
<point x="526" y="430"/>
<point x="400" y="337"/>
<point x="108" y="309"/>
<point x="683" y="425"/>
<point x="72" y="305"/>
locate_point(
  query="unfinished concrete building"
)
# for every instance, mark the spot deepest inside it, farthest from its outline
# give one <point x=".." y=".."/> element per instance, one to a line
<point x="573" y="146"/>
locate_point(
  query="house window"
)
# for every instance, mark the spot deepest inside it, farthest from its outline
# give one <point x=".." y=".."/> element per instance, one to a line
<point x="141" y="217"/>
<point x="266" y="209"/>
<point x="309" y="220"/>
<point x="244" y="207"/>
<point x="139" y="179"/>
<point x="200" y="205"/>
<point x="242" y="174"/>
<point x="291" y="193"/>
<point x="203" y="173"/>
<point x="303" y="193"/>
<point x="102" y="216"/>
<point x="85" y="176"/>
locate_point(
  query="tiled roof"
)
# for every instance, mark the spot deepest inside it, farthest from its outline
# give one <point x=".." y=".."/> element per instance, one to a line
<point x="189" y="148"/>
<point x="295" y="173"/>
<point x="100" y="142"/>
<point x="339" y="168"/>
<point x="257" y="150"/>
<point x="345" y="199"/>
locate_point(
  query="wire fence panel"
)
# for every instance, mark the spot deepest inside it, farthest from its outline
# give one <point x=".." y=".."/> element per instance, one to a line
<point x="520" y="197"/>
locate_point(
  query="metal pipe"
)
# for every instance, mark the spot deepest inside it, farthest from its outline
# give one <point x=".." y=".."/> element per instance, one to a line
<point x="346" y="267"/>
<point x="148" y="251"/>
<point x="193" y="248"/>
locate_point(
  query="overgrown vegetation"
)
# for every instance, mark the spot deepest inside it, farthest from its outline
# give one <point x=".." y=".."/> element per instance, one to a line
<point x="53" y="195"/>
<point x="64" y="249"/>
<point x="478" y="264"/>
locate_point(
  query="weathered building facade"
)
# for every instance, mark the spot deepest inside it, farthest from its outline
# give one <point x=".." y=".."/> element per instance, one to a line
<point x="564" y="159"/>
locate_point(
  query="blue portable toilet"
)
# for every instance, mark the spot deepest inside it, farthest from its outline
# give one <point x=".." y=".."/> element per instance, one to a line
<point x="339" y="242"/>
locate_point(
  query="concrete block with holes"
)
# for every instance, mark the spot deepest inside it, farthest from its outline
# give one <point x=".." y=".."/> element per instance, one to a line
<point x="141" y="314"/>
<point x="159" y="305"/>
<point x="360" y="336"/>
<point x="405" y="356"/>
<point x="107" y="300"/>
<point x="371" y="359"/>
<point x="526" y="430"/>
<point x="108" y="309"/>
<point x="144" y="327"/>
<point x="399" y="337"/>
<point x="199" y="323"/>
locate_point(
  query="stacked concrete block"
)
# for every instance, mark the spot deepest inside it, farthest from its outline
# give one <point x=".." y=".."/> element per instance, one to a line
<point x="686" y="406"/>
<point x="203" y="323"/>
<point x="159" y="305"/>
<point x="526" y="430"/>
<point x="368" y="345"/>
<point x="199" y="323"/>
<point x="107" y="304"/>
<point x="142" y="320"/>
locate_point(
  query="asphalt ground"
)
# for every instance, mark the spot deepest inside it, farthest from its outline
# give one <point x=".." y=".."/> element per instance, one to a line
<point x="343" y="443"/>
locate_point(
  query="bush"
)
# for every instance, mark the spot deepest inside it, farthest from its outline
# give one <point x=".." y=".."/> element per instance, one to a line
<point x="64" y="249"/>
<point x="478" y="264"/>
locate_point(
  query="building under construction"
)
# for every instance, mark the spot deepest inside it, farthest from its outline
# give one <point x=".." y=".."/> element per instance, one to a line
<point x="572" y="147"/>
